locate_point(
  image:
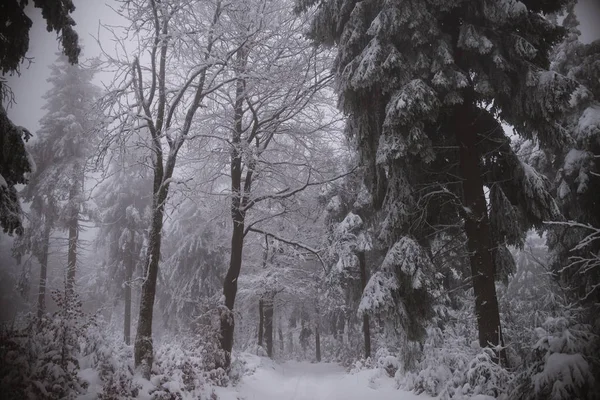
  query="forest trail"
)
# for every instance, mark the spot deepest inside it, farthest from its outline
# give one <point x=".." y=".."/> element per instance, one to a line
<point x="295" y="380"/>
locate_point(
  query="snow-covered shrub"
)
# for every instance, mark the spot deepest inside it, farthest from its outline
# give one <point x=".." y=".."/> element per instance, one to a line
<point x="178" y="368"/>
<point x="387" y="361"/>
<point x="42" y="359"/>
<point x="442" y="355"/>
<point x="482" y="376"/>
<point x="560" y="365"/>
<point x="452" y="365"/>
<point x="361" y="365"/>
<point x="113" y="361"/>
<point x="17" y="359"/>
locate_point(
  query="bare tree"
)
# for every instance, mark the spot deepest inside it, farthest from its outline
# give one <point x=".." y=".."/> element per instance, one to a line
<point x="180" y="58"/>
<point x="278" y="116"/>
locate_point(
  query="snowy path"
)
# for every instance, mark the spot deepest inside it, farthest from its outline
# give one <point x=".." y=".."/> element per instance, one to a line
<point x="306" y="381"/>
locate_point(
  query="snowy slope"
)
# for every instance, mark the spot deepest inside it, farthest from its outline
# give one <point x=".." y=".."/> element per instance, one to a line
<point x="305" y="381"/>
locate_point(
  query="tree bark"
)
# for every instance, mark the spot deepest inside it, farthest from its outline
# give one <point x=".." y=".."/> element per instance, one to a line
<point x="317" y="341"/>
<point x="129" y="265"/>
<point x="363" y="283"/>
<point x="143" y="350"/>
<point x="261" y="316"/>
<point x="281" y="347"/>
<point x="269" y="326"/>
<point x="41" y="301"/>
<point x="73" y="224"/>
<point x="230" y="290"/>
<point x="239" y="198"/>
<point x="477" y="227"/>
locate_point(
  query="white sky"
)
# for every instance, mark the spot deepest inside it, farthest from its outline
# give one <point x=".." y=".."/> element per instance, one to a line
<point x="31" y="85"/>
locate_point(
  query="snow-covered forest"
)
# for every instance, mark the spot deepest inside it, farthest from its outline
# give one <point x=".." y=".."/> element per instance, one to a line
<point x="302" y="199"/>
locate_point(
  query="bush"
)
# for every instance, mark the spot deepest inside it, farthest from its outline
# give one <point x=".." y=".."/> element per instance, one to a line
<point x="42" y="359"/>
<point x="560" y="365"/>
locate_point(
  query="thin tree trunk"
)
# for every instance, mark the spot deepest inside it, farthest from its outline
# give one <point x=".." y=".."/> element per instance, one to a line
<point x="143" y="350"/>
<point x="363" y="282"/>
<point x="318" y="341"/>
<point x="73" y="225"/>
<point x="261" y="320"/>
<point x="41" y="303"/>
<point x="477" y="228"/>
<point x="269" y="326"/>
<point x="130" y="261"/>
<point x="281" y="347"/>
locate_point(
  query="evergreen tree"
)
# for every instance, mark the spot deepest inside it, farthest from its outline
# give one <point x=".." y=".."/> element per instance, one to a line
<point x="351" y="245"/>
<point x="576" y="169"/>
<point x="425" y="84"/>
<point x="55" y="190"/>
<point x="14" y="43"/>
<point x="123" y="201"/>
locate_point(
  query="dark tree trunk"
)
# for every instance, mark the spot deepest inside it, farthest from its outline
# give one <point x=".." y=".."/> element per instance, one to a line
<point x="477" y="228"/>
<point x="41" y="301"/>
<point x="290" y="342"/>
<point x="73" y="225"/>
<point x="281" y="347"/>
<point x="230" y="290"/>
<point x="261" y="321"/>
<point x="143" y="350"/>
<point x="240" y="193"/>
<point x="269" y="326"/>
<point x="129" y="265"/>
<point x="363" y="282"/>
<point x="317" y="342"/>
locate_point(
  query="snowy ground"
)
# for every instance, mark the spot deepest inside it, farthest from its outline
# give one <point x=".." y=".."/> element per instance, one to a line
<point x="306" y="381"/>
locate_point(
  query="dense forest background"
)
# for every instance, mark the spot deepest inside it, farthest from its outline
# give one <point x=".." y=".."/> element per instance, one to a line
<point x="402" y="186"/>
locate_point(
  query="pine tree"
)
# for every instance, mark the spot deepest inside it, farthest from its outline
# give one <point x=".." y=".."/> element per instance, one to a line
<point x="424" y="85"/>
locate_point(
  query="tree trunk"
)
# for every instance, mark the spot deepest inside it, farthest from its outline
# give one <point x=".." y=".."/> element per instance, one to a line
<point x="363" y="282"/>
<point x="230" y="290"/>
<point x="238" y="214"/>
<point x="317" y="342"/>
<point x="143" y="351"/>
<point x="269" y="326"/>
<point x="41" y="303"/>
<point x="261" y="320"/>
<point x="281" y="348"/>
<point x="73" y="225"/>
<point x="129" y="265"/>
<point x="477" y="228"/>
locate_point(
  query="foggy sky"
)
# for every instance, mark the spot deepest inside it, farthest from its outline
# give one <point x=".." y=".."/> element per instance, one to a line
<point x="30" y="87"/>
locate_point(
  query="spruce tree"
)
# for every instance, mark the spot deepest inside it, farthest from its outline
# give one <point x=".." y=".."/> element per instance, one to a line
<point x="60" y="152"/>
<point x="425" y="85"/>
<point x="123" y="201"/>
<point x="15" y="164"/>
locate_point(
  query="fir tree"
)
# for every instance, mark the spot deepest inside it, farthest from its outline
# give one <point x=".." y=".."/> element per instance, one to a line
<point x="424" y="85"/>
<point x="14" y="43"/>
<point x="123" y="201"/>
<point x="60" y="152"/>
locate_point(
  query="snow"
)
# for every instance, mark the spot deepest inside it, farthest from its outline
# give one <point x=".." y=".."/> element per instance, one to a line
<point x="378" y="294"/>
<point x="90" y="375"/>
<point x="588" y="126"/>
<point x="562" y="369"/>
<point x="295" y="380"/>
